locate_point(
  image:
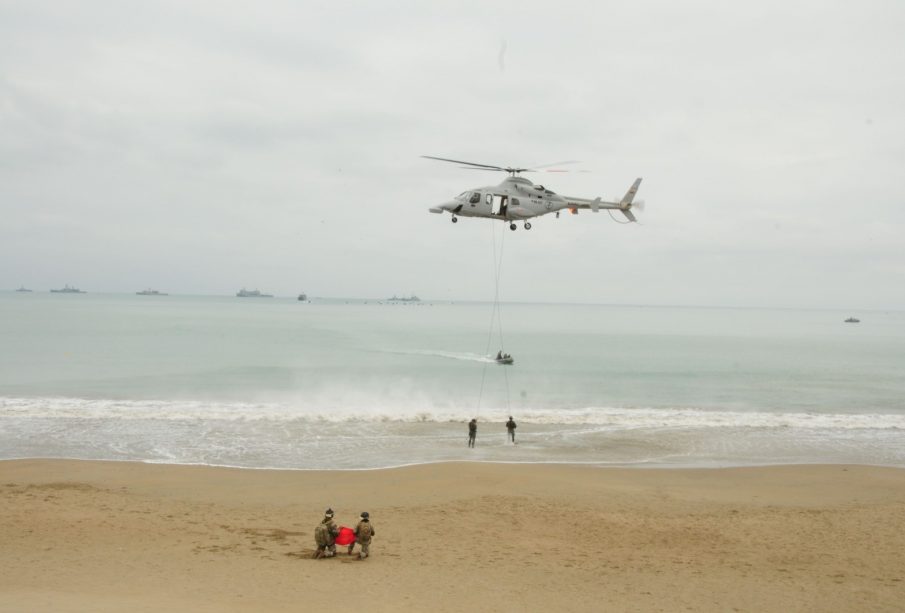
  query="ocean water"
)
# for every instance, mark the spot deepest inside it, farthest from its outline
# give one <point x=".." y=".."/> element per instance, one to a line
<point x="332" y="384"/>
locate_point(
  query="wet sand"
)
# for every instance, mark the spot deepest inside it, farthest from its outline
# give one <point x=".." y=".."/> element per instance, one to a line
<point x="106" y="536"/>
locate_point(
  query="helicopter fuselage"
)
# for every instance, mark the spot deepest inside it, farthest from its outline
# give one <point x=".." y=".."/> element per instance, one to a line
<point x="514" y="199"/>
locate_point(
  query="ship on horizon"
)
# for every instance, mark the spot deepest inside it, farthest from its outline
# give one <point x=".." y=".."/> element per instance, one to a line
<point x="22" y="288"/>
<point x="150" y="292"/>
<point x="253" y="293"/>
<point x="67" y="290"/>
<point x="412" y="298"/>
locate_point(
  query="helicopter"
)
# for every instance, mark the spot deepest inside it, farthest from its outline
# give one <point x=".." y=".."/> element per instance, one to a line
<point x="518" y="199"/>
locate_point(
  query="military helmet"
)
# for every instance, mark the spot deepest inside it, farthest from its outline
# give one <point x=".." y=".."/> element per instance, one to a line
<point x="364" y="515"/>
<point x="328" y="513"/>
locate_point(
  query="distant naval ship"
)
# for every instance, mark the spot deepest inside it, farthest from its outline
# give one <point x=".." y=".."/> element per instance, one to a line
<point x="67" y="290"/>
<point x="253" y="293"/>
<point x="22" y="289"/>
<point x="412" y="298"/>
<point x="150" y="292"/>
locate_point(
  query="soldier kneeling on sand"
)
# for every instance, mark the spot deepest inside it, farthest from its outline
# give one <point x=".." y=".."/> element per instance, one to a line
<point x="363" y="533"/>
<point x="325" y="536"/>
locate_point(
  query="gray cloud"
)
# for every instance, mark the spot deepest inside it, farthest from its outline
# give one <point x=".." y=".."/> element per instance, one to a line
<point x="200" y="147"/>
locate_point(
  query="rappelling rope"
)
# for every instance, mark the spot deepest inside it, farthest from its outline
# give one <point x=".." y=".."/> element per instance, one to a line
<point x="496" y="314"/>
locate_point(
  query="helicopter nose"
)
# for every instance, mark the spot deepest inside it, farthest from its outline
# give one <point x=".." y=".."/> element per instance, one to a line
<point x="449" y="205"/>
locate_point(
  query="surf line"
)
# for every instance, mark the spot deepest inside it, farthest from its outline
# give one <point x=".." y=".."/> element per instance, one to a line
<point x="496" y="318"/>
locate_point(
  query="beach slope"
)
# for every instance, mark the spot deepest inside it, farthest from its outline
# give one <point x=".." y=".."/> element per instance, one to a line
<point x="109" y="536"/>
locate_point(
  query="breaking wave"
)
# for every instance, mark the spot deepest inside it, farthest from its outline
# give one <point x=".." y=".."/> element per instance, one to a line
<point x="608" y="417"/>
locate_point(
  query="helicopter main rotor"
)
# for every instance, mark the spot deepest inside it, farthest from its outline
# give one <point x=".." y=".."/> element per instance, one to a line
<point x="508" y="169"/>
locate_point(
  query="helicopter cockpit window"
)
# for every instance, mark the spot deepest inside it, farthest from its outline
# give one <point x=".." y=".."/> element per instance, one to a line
<point x="515" y="202"/>
<point x="475" y="198"/>
<point x="488" y="199"/>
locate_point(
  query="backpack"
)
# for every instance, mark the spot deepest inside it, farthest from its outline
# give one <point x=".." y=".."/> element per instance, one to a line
<point x="364" y="531"/>
<point x="320" y="535"/>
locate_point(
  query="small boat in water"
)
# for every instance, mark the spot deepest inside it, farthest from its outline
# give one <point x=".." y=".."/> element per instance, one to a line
<point x="303" y="297"/>
<point x="852" y="320"/>
<point x="503" y="358"/>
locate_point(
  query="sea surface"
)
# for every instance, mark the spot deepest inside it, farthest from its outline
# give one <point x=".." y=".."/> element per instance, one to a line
<point x="337" y="384"/>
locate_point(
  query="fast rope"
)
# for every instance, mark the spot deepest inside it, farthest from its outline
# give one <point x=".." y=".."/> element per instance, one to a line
<point x="496" y="315"/>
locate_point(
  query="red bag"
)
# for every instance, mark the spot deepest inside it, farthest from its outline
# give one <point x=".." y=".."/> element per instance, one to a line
<point x="346" y="536"/>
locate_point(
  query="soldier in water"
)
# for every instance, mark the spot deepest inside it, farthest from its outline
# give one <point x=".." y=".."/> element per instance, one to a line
<point x="325" y="536"/>
<point x="472" y="431"/>
<point x="510" y="429"/>
<point x="363" y="533"/>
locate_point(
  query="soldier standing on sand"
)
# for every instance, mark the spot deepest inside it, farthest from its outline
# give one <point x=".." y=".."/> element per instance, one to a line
<point x="510" y="429"/>
<point x="472" y="431"/>
<point x="363" y="533"/>
<point x="325" y="536"/>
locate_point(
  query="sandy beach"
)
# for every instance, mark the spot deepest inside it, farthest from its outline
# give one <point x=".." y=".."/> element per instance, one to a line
<point x="105" y="536"/>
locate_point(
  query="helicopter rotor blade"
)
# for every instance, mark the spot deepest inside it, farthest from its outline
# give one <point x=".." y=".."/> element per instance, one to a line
<point x="475" y="164"/>
<point x="548" y="167"/>
<point x="540" y="166"/>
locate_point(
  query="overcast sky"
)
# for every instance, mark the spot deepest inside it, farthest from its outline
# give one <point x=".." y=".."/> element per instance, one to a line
<point x="199" y="147"/>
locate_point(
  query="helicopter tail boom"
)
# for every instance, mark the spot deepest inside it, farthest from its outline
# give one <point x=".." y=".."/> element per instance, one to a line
<point x="624" y="206"/>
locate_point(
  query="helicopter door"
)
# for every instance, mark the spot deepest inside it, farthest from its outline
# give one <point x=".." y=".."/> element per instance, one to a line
<point x="499" y="205"/>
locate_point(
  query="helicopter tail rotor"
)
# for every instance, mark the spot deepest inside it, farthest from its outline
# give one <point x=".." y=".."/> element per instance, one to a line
<point x="625" y="205"/>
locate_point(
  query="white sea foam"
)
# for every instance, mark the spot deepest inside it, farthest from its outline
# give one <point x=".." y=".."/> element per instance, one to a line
<point x="606" y="417"/>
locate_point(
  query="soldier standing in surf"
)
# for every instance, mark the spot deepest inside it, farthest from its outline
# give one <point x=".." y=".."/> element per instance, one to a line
<point x="472" y="431"/>
<point x="510" y="429"/>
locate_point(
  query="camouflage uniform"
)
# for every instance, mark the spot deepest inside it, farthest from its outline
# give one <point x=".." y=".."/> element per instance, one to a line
<point x="472" y="432"/>
<point x="363" y="533"/>
<point x="329" y="549"/>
